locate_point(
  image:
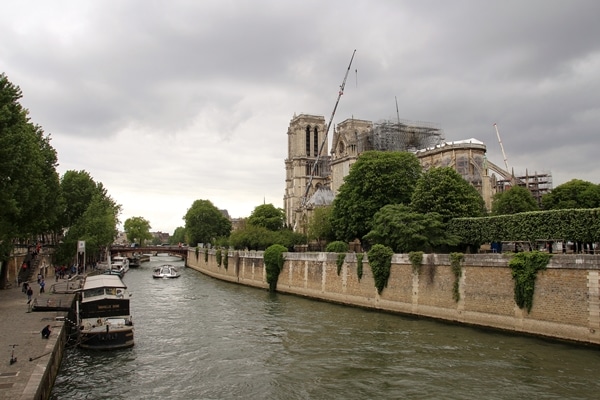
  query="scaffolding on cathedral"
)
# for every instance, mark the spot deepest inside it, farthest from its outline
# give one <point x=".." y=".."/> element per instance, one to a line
<point x="401" y="135"/>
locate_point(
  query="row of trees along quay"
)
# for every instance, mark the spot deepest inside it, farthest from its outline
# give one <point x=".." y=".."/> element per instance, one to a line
<point x="387" y="199"/>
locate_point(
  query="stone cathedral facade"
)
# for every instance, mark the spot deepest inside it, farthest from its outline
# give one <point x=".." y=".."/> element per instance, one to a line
<point x="314" y="174"/>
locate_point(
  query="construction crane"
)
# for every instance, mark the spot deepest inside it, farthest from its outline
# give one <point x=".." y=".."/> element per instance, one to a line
<point x="314" y="167"/>
<point x="501" y="147"/>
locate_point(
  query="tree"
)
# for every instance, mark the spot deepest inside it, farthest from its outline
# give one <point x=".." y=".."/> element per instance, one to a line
<point x="319" y="226"/>
<point x="97" y="227"/>
<point x="397" y="226"/>
<point x="268" y="216"/>
<point x="178" y="236"/>
<point x="442" y="190"/>
<point x="204" y="223"/>
<point x="375" y="180"/>
<point x="573" y="194"/>
<point x="29" y="194"/>
<point x="77" y="188"/>
<point x="515" y="200"/>
<point x="137" y="230"/>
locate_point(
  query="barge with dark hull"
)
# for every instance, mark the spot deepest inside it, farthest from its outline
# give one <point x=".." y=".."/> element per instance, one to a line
<point x="105" y="321"/>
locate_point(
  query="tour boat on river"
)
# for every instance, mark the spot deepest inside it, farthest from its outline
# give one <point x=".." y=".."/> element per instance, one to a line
<point x="165" y="271"/>
<point x="104" y="317"/>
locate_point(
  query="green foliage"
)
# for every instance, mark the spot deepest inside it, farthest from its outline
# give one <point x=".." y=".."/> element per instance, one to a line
<point x="515" y="200"/>
<point x="404" y="230"/>
<point x="225" y="258"/>
<point x="524" y="268"/>
<point x="359" y="265"/>
<point x="455" y="263"/>
<point x="77" y="189"/>
<point x="267" y="216"/>
<point x="218" y="257"/>
<point x="206" y="254"/>
<point x="197" y="251"/>
<point x="137" y="230"/>
<point x="259" y="238"/>
<point x="205" y="223"/>
<point x="273" y="258"/>
<point x="444" y="191"/>
<point x="337" y="247"/>
<point x="380" y="260"/>
<point x="575" y="225"/>
<point x="340" y="262"/>
<point x="375" y="180"/>
<point x="319" y="226"/>
<point x="573" y="194"/>
<point x="416" y="259"/>
<point x="178" y="236"/>
<point x="30" y="200"/>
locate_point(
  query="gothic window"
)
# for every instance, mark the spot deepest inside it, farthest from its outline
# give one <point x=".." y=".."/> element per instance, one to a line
<point x="308" y="140"/>
<point x="316" y="142"/>
<point x="341" y="148"/>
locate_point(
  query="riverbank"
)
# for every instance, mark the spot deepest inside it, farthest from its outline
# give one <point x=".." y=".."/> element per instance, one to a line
<point x="38" y="360"/>
<point x="566" y="301"/>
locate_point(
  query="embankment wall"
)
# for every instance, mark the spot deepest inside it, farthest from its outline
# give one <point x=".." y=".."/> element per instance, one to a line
<point x="566" y="303"/>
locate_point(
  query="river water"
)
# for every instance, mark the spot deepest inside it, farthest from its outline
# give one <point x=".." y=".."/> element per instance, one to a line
<point x="200" y="338"/>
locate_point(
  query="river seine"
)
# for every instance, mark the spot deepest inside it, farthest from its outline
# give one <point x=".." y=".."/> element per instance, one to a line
<point x="200" y="338"/>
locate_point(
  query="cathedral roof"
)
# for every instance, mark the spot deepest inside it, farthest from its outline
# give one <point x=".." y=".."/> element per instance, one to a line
<point x="322" y="197"/>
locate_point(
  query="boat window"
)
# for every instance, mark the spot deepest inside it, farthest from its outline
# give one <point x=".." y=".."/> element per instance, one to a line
<point x="111" y="291"/>
<point x="93" y="292"/>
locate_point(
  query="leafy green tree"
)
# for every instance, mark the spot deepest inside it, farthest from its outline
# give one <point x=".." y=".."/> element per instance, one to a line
<point x="573" y="194"/>
<point x="29" y="191"/>
<point x="137" y="230"/>
<point x="178" y="236"/>
<point x="252" y="237"/>
<point x="268" y="216"/>
<point x="205" y="223"/>
<point x="77" y="188"/>
<point x="403" y="230"/>
<point x="443" y="191"/>
<point x="515" y="200"/>
<point x="319" y="226"/>
<point x="97" y="227"/>
<point x="375" y="180"/>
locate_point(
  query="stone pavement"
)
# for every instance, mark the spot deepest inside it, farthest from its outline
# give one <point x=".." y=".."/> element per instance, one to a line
<point x="20" y="330"/>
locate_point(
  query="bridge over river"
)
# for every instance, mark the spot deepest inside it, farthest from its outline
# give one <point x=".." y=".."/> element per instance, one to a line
<point x="128" y="251"/>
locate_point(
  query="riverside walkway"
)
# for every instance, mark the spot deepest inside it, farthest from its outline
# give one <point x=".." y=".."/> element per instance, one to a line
<point x="31" y="377"/>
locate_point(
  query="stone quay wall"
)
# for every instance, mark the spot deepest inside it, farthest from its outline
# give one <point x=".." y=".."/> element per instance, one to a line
<point x="566" y="302"/>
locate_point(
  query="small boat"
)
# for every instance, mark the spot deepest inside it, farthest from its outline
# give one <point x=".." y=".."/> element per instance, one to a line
<point x="103" y="314"/>
<point x="165" y="271"/>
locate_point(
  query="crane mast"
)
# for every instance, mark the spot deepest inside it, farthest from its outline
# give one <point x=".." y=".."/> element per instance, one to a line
<point x="501" y="147"/>
<point x="314" y="167"/>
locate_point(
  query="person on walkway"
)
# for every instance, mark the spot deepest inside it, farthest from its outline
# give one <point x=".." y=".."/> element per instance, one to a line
<point x="46" y="332"/>
<point x="29" y="294"/>
<point x="39" y="277"/>
<point x="25" y="287"/>
<point x="42" y="285"/>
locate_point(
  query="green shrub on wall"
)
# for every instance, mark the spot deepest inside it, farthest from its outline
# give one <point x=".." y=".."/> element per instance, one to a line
<point x="197" y="251"/>
<point x="524" y="268"/>
<point x="218" y="256"/>
<point x="226" y="259"/>
<point x="340" y="262"/>
<point x="359" y="265"/>
<point x="455" y="264"/>
<point x="273" y="258"/>
<point x="380" y="260"/>
<point x="206" y="255"/>
<point x="337" y="247"/>
<point x="416" y="259"/>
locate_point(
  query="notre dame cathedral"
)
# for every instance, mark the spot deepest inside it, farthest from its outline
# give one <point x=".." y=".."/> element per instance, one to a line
<point x="314" y="174"/>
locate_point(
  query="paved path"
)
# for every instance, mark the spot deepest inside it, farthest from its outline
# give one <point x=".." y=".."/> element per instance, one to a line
<point x="20" y="329"/>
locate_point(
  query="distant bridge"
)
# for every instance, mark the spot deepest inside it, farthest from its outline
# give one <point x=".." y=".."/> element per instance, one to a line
<point x="128" y="251"/>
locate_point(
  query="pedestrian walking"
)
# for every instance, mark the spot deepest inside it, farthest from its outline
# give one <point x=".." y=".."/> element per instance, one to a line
<point x="39" y="277"/>
<point x="29" y="294"/>
<point x="25" y="287"/>
<point x="42" y="285"/>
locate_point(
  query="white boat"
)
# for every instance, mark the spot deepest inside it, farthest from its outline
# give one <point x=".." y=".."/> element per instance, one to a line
<point x="104" y="317"/>
<point x="165" y="271"/>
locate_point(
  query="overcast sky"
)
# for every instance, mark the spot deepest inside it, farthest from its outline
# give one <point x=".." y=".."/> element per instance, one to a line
<point x="168" y="102"/>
